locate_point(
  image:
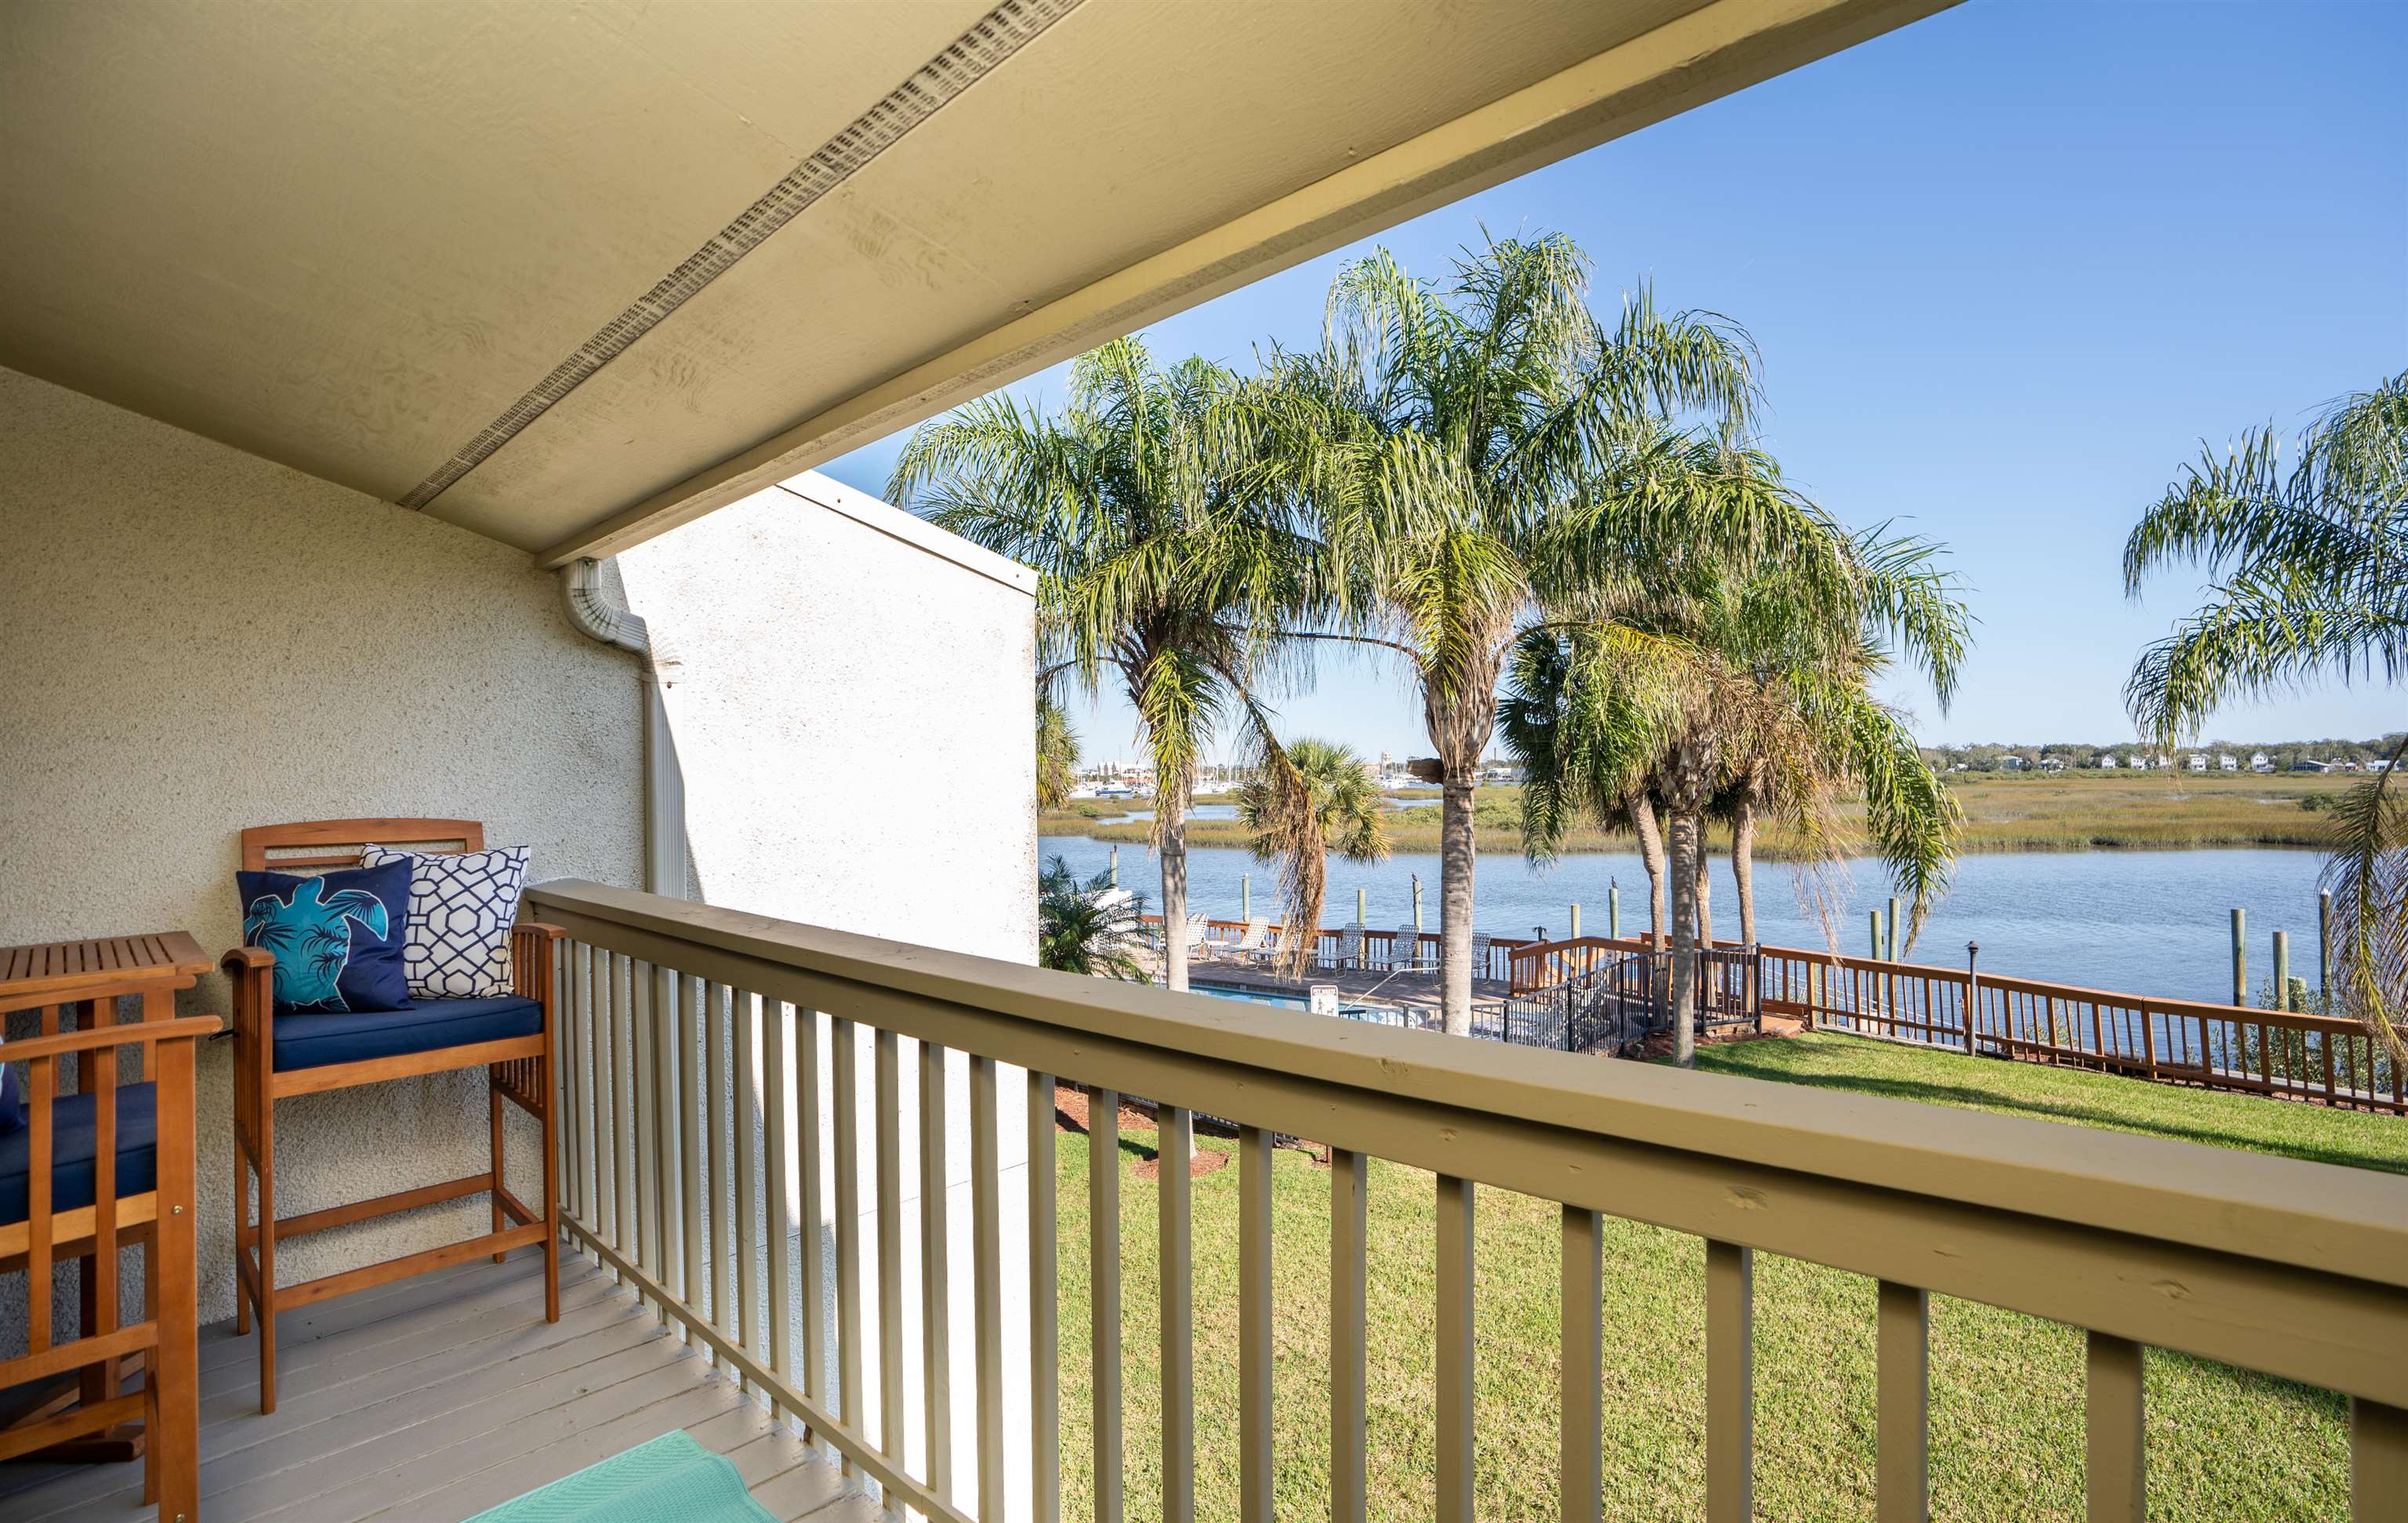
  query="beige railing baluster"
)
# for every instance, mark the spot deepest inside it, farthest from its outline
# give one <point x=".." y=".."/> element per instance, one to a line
<point x="1044" y="1308"/>
<point x="644" y="1065"/>
<point x="665" y="1108"/>
<point x="810" y="1167"/>
<point x="1255" y="1457"/>
<point x="847" y="1066"/>
<point x="778" y="1145"/>
<point x="743" y="1029"/>
<point x="569" y="1001"/>
<point x="1902" y="1396"/>
<point x="1348" y="1243"/>
<point x="1454" y="1349"/>
<point x="2114" y="1420"/>
<point x="1174" y="1139"/>
<point x="890" y="1249"/>
<point x="935" y="1275"/>
<point x="625" y="1179"/>
<point x="721" y="1120"/>
<point x="2378" y="1461"/>
<point x="1582" y="1488"/>
<point x="1731" y="1382"/>
<point x="692" y="1024"/>
<point x="987" y="1279"/>
<point x="1104" y="1304"/>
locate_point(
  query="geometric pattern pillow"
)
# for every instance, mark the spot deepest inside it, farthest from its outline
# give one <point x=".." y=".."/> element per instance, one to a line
<point x="460" y="905"/>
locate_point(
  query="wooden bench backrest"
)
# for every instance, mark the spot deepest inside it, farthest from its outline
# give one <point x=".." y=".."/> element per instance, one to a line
<point x="316" y="845"/>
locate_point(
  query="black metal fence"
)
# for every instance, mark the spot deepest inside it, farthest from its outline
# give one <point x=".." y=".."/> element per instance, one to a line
<point x="1614" y="1008"/>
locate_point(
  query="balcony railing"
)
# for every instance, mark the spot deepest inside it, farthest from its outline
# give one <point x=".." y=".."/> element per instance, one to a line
<point x="2293" y="1269"/>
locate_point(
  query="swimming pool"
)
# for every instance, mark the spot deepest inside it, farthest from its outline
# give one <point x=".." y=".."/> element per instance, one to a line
<point x="1384" y="1014"/>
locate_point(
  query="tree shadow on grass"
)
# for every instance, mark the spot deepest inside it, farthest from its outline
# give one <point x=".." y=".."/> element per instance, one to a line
<point x="1967" y="1097"/>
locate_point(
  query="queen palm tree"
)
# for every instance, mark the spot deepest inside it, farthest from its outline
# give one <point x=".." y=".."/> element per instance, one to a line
<point x="1446" y="444"/>
<point x="1152" y="567"/>
<point x="2312" y="582"/>
<point x="1751" y="692"/>
<point x="1327" y="801"/>
<point x="1058" y="753"/>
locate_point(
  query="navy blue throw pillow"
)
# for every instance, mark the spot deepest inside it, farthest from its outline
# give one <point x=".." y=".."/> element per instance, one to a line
<point x="337" y="939"/>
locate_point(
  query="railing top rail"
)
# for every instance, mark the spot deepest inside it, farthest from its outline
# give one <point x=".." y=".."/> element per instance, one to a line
<point x="2275" y="1211"/>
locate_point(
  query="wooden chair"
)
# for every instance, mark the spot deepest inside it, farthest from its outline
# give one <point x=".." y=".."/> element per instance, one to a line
<point x="90" y="1173"/>
<point x="279" y="1057"/>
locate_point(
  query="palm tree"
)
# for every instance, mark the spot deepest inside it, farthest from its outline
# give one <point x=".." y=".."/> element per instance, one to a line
<point x="1087" y="927"/>
<point x="1058" y="753"/>
<point x="1151" y="567"/>
<point x="1750" y="694"/>
<point x="1327" y="800"/>
<point x="2312" y="569"/>
<point x="1445" y="444"/>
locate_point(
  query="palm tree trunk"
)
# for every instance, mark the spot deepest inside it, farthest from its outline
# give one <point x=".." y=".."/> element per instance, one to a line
<point x="1743" y="866"/>
<point x="1685" y="852"/>
<point x="1651" y="855"/>
<point x="1173" y="826"/>
<point x="1458" y="847"/>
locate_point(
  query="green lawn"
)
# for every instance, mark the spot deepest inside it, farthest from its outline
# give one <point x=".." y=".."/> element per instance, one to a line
<point x="2006" y="1406"/>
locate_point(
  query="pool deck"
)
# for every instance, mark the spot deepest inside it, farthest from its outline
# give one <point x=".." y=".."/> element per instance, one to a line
<point x="1416" y="994"/>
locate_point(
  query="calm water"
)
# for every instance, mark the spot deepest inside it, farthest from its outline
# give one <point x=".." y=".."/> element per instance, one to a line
<point x="2141" y="922"/>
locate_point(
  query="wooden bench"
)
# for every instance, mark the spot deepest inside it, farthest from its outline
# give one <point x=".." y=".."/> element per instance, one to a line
<point x="93" y="1170"/>
<point x="518" y="1065"/>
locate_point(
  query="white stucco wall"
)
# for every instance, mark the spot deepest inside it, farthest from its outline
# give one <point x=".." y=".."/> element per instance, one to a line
<point x="852" y="703"/>
<point x="199" y="640"/>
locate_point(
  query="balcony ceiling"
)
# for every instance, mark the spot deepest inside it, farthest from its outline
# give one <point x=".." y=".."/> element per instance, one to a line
<point x="408" y="247"/>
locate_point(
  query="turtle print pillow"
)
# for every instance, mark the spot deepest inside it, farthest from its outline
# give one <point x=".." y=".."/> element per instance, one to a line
<point x="461" y="908"/>
<point x="338" y="939"/>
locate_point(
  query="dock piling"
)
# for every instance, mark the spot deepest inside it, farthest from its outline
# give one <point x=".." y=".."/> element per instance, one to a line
<point x="1575" y="922"/>
<point x="2241" y="956"/>
<point x="2282" y="970"/>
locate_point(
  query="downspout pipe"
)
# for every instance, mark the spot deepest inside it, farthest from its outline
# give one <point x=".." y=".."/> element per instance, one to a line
<point x="595" y="616"/>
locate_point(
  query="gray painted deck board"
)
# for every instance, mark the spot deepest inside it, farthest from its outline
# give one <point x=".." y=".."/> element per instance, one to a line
<point x="438" y="1397"/>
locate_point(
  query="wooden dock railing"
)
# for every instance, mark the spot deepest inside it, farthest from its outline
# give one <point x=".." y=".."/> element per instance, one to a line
<point x="2288" y="1054"/>
<point x="2297" y="1270"/>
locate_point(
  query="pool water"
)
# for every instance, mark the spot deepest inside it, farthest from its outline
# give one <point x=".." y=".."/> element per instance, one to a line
<point x="1292" y="1001"/>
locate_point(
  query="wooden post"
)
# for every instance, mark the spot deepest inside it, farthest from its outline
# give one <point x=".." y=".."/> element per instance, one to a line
<point x="1890" y="933"/>
<point x="2323" y="942"/>
<point x="2282" y="970"/>
<point x="1613" y="911"/>
<point x="1246" y="896"/>
<point x="1972" y="989"/>
<point x="1575" y="922"/>
<point x="2239" y="957"/>
<point x="1359" y="901"/>
<point x="1417" y="901"/>
<point x="1873" y="919"/>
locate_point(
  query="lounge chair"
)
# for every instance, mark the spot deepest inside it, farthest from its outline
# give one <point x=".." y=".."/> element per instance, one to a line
<point x="1405" y="951"/>
<point x="1249" y="945"/>
<point x="1479" y="945"/>
<point x="1350" y="949"/>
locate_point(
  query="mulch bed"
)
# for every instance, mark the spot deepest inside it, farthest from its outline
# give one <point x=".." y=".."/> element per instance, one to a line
<point x="1070" y="1114"/>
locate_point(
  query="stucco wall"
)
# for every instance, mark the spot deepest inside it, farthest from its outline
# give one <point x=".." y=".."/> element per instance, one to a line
<point x="853" y="697"/>
<point x="199" y="640"/>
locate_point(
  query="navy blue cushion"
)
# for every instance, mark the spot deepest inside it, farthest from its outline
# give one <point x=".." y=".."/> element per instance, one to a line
<point x="75" y="1143"/>
<point x="12" y="1101"/>
<point x="312" y="1041"/>
<point x="337" y="939"/>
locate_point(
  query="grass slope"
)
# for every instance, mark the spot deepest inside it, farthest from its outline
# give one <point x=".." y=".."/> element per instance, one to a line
<point x="2006" y="1404"/>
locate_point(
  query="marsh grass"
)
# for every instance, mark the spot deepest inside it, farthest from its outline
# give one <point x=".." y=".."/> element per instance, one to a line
<point x="2073" y="812"/>
<point x="2007" y="1389"/>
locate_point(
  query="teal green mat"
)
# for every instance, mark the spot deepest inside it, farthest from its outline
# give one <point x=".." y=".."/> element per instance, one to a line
<point x="670" y="1477"/>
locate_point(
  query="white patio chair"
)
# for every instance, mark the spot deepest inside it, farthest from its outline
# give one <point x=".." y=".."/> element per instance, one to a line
<point x="1405" y="951"/>
<point x="1350" y="949"/>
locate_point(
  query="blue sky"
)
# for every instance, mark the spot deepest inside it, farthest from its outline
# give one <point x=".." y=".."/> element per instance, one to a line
<point x="2008" y="268"/>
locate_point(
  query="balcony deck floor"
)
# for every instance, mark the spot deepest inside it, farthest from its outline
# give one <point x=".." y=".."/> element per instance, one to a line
<point x="434" y="1399"/>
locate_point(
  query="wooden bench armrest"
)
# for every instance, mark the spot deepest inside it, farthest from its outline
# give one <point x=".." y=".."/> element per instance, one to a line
<point x="243" y="957"/>
<point x="181" y="1027"/>
<point x="544" y="929"/>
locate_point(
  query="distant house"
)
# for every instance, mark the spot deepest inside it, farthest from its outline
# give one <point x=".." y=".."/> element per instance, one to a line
<point x="2307" y="764"/>
<point x="2261" y="763"/>
<point x="2378" y="766"/>
<point x="2227" y="762"/>
<point x="2196" y="761"/>
<point x="2052" y="764"/>
<point x="2011" y="764"/>
<point x="2136" y="764"/>
<point x="2108" y="764"/>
